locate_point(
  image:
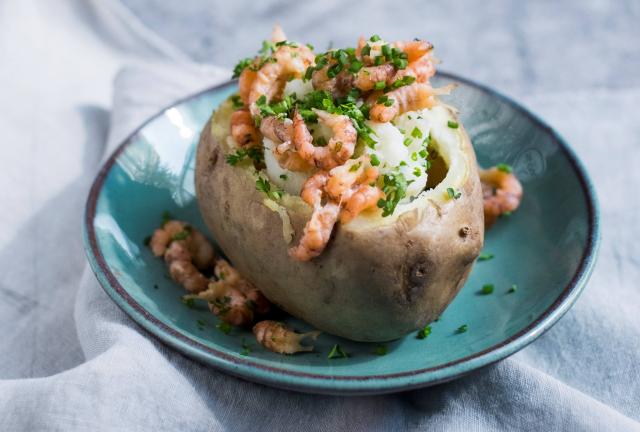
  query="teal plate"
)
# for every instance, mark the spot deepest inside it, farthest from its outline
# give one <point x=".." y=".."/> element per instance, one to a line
<point x="547" y="248"/>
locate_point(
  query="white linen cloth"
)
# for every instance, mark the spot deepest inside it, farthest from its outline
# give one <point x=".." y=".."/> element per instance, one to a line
<point x="71" y="360"/>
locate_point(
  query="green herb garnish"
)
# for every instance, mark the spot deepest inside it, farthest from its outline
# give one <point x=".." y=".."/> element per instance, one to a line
<point x="337" y="352"/>
<point x="224" y="327"/>
<point x="487" y="289"/>
<point x="189" y="302"/>
<point x="451" y="192"/>
<point x="485" y="256"/>
<point x="380" y="350"/>
<point x="424" y="333"/>
<point x="504" y="168"/>
<point x="394" y="186"/>
<point x="513" y="289"/>
<point x="264" y="186"/>
<point x="416" y="133"/>
<point x="374" y="160"/>
<point x="452" y="124"/>
<point x="462" y="329"/>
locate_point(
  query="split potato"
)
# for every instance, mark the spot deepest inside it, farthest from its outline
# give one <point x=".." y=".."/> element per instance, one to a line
<point x="379" y="277"/>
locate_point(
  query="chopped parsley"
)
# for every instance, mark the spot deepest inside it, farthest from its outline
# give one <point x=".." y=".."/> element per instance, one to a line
<point x="452" y="124"/>
<point x="380" y="85"/>
<point x="284" y="177"/>
<point x="246" y="348"/>
<point x="374" y="160"/>
<point x="504" y="168"/>
<point x="337" y="352"/>
<point x="416" y="133"/>
<point x="485" y="256"/>
<point x="417" y="172"/>
<point x="380" y="350"/>
<point x="394" y="186"/>
<point x="253" y="153"/>
<point x="189" y="302"/>
<point x="424" y="333"/>
<point x="224" y="327"/>
<point x="487" y="289"/>
<point x="241" y="66"/>
<point x="374" y="38"/>
<point x="264" y="186"/>
<point x="236" y="101"/>
<point x="462" y="329"/>
<point x="406" y="142"/>
<point x="404" y="81"/>
<point x="513" y="289"/>
<point x="451" y="192"/>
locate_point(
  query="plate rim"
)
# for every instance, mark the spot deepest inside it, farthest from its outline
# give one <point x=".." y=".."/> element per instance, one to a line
<point x="346" y="384"/>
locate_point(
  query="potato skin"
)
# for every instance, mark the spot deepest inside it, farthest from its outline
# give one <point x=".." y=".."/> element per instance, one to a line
<point x="370" y="285"/>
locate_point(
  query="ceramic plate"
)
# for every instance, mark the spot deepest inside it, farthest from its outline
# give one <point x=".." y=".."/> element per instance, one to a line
<point x="547" y="248"/>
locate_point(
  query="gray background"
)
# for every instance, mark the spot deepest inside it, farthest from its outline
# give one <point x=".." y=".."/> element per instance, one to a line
<point x="517" y="46"/>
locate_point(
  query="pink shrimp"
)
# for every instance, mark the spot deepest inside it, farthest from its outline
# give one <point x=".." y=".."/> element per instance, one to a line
<point x="318" y="229"/>
<point x="338" y="86"/>
<point x="502" y="192"/>
<point x="247" y="77"/>
<point x="365" y="197"/>
<point x="303" y="142"/>
<point x="408" y="98"/>
<point x="281" y="133"/>
<point x="368" y="77"/>
<point x="340" y="146"/>
<point x="243" y="129"/>
<point x="415" y="49"/>
<point x="286" y="62"/>
<point x="342" y="178"/>
<point x="317" y="232"/>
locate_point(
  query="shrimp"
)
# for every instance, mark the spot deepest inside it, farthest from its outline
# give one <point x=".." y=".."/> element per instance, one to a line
<point x="277" y="34"/>
<point x="318" y="229"/>
<point x="368" y="77"/>
<point x="277" y="337"/>
<point x="247" y="77"/>
<point x="342" y="178"/>
<point x="343" y="142"/>
<point x="338" y="86"/>
<point x="233" y="298"/>
<point x="276" y="129"/>
<point x="364" y="198"/>
<point x="183" y="246"/>
<point x="408" y="98"/>
<point x="415" y="49"/>
<point x="243" y="129"/>
<point x="321" y="157"/>
<point x="502" y="193"/>
<point x="286" y="62"/>
<point x="281" y="133"/>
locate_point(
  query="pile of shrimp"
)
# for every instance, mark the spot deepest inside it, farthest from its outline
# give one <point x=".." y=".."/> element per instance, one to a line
<point x="335" y="190"/>
<point x="188" y="254"/>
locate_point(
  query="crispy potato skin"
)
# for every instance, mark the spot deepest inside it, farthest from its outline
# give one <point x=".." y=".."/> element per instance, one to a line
<point x="369" y="285"/>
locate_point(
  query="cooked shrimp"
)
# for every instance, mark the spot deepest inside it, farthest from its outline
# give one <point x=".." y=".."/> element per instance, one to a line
<point x="286" y="62"/>
<point x="368" y="77"/>
<point x="338" y="86"/>
<point x="183" y="246"/>
<point x="502" y="193"/>
<point x="364" y="198"/>
<point x="313" y="188"/>
<point x="415" y="49"/>
<point x="318" y="229"/>
<point x="247" y="77"/>
<point x="408" y="98"/>
<point x="277" y="130"/>
<point x="343" y="142"/>
<point x="343" y="178"/>
<point x="187" y="275"/>
<point x="257" y="301"/>
<point x="233" y="298"/>
<point x="276" y="337"/>
<point x="228" y="303"/>
<point x="278" y="35"/>
<point x="243" y="128"/>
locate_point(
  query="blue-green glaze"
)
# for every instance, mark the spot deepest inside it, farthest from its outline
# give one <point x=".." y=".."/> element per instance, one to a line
<point x="548" y="248"/>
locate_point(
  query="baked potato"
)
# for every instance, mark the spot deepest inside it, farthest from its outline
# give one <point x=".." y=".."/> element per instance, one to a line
<point x="385" y="272"/>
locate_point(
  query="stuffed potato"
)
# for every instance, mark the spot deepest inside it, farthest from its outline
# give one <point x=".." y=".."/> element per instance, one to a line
<point x="355" y="204"/>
